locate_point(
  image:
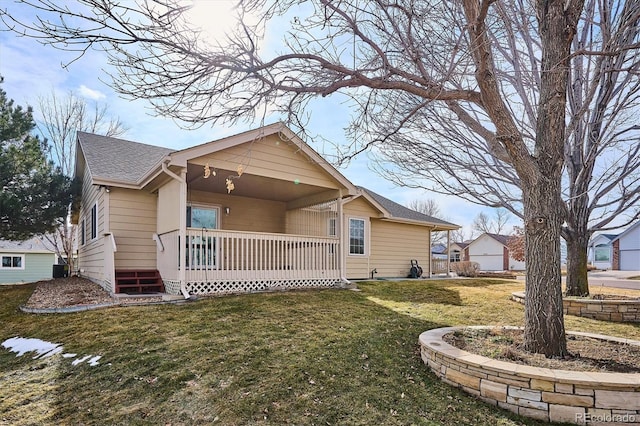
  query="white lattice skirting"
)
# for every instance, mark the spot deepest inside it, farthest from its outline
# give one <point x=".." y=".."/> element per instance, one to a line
<point x="255" y="285"/>
<point x="171" y="286"/>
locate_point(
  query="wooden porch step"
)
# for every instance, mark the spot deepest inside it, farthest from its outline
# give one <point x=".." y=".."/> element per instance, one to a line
<point x="138" y="281"/>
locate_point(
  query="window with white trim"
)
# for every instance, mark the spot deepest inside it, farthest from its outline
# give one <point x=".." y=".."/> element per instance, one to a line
<point x="94" y="221"/>
<point x="357" y="236"/>
<point x="602" y="253"/>
<point x="82" y="232"/>
<point x="199" y="216"/>
<point x="12" y="261"/>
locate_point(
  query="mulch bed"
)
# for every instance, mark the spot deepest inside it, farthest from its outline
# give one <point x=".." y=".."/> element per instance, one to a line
<point x="76" y="291"/>
<point x="587" y="354"/>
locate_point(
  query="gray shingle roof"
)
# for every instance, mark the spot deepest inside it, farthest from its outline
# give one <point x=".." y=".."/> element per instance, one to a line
<point x="401" y="212"/>
<point x="461" y="244"/>
<point x="502" y="239"/>
<point x="118" y="159"/>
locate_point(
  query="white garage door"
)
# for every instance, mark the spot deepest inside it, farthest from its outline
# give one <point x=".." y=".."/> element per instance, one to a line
<point x="489" y="262"/>
<point x="630" y="260"/>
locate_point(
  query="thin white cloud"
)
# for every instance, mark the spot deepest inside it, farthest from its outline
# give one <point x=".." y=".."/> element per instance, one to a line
<point x="96" y="95"/>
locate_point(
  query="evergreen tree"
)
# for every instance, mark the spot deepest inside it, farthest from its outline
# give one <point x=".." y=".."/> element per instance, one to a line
<point x="34" y="194"/>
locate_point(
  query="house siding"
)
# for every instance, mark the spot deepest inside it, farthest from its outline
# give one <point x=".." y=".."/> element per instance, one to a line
<point x="133" y="223"/>
<point x="91" y="253"/>
<point x="491" y="255"/>
<point x="487" y="252"/>
<point x="629" y="250"/>
<point x="271" y="157"/>
<point x="390" y="248"/>
<point x="168" y="207"/>
<point x="37" y="267"/>
<point x="393" y="245"/>
<point x="358" y="266"/>
<point x="246" y="214"/>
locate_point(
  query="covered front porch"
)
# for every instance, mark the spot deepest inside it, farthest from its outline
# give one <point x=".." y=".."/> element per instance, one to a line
<point x="258" y="213"/>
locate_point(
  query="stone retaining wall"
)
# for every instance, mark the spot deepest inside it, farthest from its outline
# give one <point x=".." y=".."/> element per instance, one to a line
<point x="607" y="310"/>
<point x="540" y="393"/>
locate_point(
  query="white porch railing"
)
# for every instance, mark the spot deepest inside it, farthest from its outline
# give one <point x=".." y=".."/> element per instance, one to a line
<point x="219" y="261"/>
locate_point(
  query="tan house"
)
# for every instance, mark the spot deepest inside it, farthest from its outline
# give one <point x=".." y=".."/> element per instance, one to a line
<point x="255" y="211"/>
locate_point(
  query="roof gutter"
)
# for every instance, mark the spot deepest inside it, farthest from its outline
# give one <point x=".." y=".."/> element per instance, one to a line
<point x="169" y="172"/>
<point x="436" y="227"/>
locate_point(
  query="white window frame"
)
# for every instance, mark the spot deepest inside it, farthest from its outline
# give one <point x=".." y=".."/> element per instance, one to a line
<point x="93" y="222"/>
<point x="12" y="256"/>
<point x="602" y="248"/>
<point x="216" y="207"/>
<point x="366" y="236"/>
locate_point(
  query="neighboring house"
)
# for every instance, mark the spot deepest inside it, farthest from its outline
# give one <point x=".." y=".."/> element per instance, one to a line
<point x="25" y="261"/>
<point x="459" y="252"/>
<point x="601" y="251"/>
<point x="439" y="251"/>
<point x="490" y="251"/>
<point x="626" y="249"/>
<point x="250" y="212"/>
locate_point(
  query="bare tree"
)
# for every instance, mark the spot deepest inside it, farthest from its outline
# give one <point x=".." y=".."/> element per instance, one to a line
<point x="496" y="225"/>
<point x="61" y="119"/>
<point x="396" y="61"/>
<point x="426" y="206"/>
<point x="431" y="208"/>
<point x="482" y="223"/>
<point x="601" y="180"/>
<point x="602" y="153"/>
<point x="461" y="235"/>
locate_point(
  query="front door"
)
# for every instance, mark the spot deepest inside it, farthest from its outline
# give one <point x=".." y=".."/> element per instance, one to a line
<point x="201" y="249"/>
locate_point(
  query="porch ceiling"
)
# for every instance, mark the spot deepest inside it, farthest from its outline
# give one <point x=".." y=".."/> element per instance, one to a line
<point x="249" y="185"/>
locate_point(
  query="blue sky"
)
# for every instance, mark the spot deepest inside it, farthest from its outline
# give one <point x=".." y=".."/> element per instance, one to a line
<point x="31" y="70"/>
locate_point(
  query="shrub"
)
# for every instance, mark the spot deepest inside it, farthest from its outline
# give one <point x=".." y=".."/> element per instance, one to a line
<point x="466" y="269"/>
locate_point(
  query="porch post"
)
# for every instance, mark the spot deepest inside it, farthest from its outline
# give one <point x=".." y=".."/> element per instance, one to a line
<point x="430" y="251"/>
<point x="182" y="270"/>
<point x="341" y="248"/>
<point x="448" y="253"/>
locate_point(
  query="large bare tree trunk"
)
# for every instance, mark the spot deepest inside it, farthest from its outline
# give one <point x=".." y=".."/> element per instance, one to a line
<point x="577" y="245"/>
<point x="541" y="185"/>
<point x="544" y="323"/>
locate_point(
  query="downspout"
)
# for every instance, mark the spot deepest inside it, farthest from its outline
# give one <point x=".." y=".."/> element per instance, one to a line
<point x="182" y="232"/>
<point x="341" y="250"/>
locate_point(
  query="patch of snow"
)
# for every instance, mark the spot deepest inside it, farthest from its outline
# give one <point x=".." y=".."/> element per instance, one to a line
<point x="80" y="360"/>
<point x="22" y="345"/>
